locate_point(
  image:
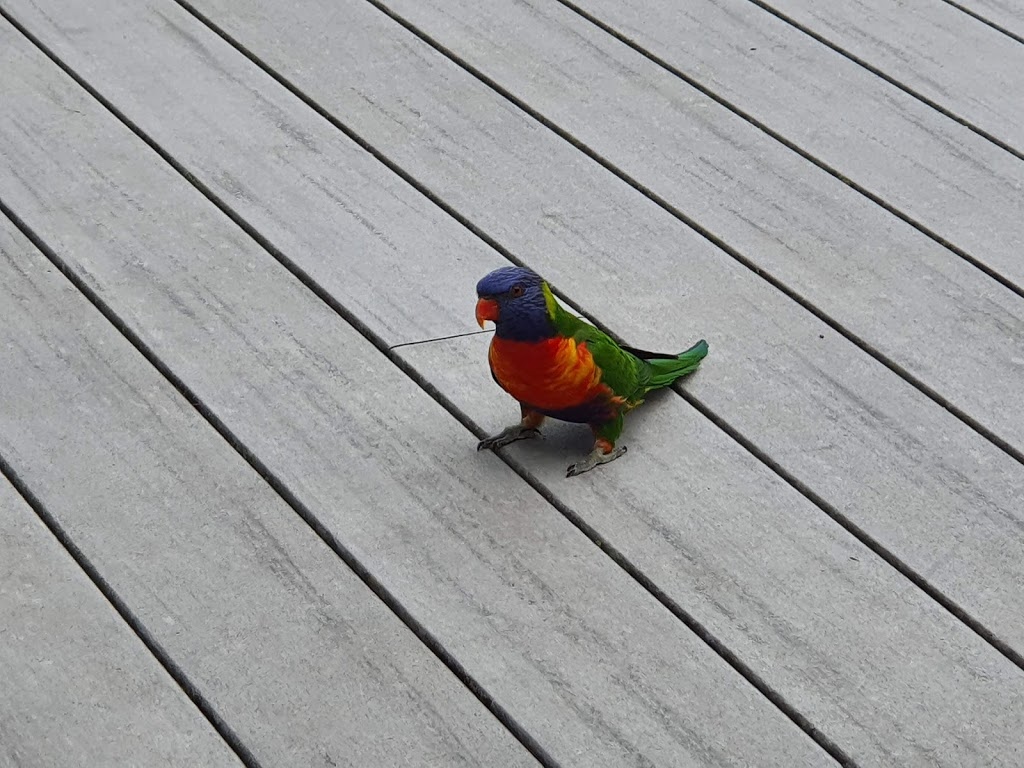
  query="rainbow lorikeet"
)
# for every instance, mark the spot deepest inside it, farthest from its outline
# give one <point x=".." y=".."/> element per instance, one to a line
<point x="558" y="365"/>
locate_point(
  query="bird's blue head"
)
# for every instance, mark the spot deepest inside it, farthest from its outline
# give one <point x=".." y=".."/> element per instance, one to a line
<point x="513" y="299"/>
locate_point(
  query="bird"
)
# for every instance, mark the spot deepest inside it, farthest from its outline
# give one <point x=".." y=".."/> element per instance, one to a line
<point x="560" y="366"/>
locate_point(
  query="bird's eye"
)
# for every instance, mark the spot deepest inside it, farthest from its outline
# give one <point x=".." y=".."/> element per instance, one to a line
<point x="516" y="292"/>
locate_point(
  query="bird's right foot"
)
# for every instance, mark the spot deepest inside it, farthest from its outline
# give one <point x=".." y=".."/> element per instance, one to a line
<point x="508" y="435"/>
<point x="603" y="452"/>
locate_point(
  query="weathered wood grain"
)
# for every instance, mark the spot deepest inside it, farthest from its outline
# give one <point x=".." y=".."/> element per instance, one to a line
<point x="868" y="443"/>
<point x="79" y="688"/>
<point x="957" y="61"/>
<point x="1008" y="14"/>
<point x="867" y="652"/>
<point x="954" y="182"/>
<point x="882" y="669"/>
<point x="297" y="655"/>
<point x="896" y="288"/>
<point x="585" y="659"/>
<point x="313" y="190"/>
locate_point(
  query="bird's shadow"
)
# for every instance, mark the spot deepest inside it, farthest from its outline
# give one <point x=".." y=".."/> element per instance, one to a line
<point x="565" y="443"/>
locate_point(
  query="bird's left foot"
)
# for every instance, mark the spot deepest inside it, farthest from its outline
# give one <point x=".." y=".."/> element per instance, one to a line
<point x="603" y="453"/>
<point x="508" y="435"/>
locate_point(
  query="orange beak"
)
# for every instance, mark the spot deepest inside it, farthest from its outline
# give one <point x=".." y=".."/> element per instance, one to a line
<point x="486" y="309"/>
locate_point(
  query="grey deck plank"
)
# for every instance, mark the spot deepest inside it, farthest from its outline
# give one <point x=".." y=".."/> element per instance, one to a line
<point x="892" y="461"/>
<point x="858" y="263"/>
<point x="297" y="655"/>
<point x="827" y="623"/>
<point x="1008" y="14"/>
<point x="294" y="192"/>
<point x="956" y="61"/>
<point x="79" y="688"/>
<point x="590" y="663"/>
<point x="941" y="174"/>
<point x="941" y="656"/>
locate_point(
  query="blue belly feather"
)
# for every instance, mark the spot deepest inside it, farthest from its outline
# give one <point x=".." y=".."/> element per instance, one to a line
<point x="596" y="411"/>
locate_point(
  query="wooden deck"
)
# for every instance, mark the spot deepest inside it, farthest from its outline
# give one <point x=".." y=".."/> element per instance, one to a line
<point x="242" y="518"/>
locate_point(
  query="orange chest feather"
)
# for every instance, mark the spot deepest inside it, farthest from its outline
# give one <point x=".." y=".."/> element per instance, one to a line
<point x="550" y="375"/>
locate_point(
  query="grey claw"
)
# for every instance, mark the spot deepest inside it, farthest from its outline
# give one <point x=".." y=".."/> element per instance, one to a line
<point x="508" y="435"/>
<point x="593" y="459"/>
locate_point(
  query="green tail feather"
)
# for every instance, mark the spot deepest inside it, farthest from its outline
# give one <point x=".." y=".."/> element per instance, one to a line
<point x="665" y="370"/>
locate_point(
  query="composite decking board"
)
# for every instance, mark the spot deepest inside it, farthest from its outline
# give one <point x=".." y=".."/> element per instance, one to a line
<point x="299" y="658"/>
<point x="79" y="687"/>
<point x="892" y="461"/>
<point x="1008" y="14"/>
<point x="955" y="183"/>
<point x="924" y="628"/>
<point x="314" y="190"/>
<point x="827" y="623"/>
<point x="576" y="650"/>
<point x="956" y="61"/>
<point x="897" y="289"/>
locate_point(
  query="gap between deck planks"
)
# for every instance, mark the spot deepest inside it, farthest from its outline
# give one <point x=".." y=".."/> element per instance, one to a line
<point x="683" y="519"/>
<point x="851" y="432"/>
<point x="345" y="220"/>
<point x="879" y="571"/>
<point x="951" y="183"/>
<point x="814" y="233"/>
<point x="950" y="60"/>
<point x="582" y="657"/>
<point x="293" y="657"/>
<point x="79" y="688"/>
<point x="1007" y="16"/>
<point x="790" y="222"/>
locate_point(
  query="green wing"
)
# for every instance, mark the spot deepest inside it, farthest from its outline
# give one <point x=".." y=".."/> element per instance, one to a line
<point x="628" y="375"/>
<point x="625" y="374"/>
